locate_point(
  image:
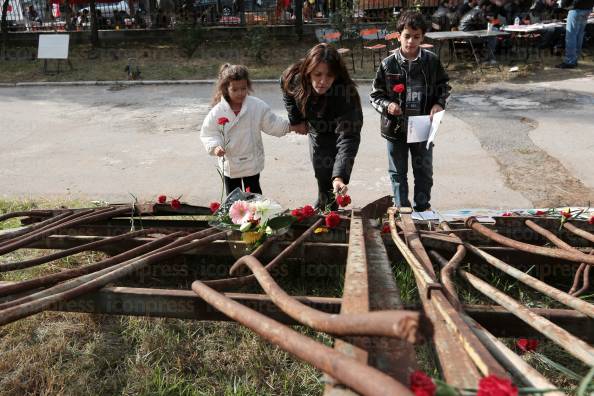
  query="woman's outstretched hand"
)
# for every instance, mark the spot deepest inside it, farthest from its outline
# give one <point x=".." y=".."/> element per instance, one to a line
<point x="339" y="186"/>
<point x="301" y="129"/>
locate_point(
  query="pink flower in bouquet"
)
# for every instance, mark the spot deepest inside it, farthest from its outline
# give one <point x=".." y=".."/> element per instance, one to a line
<point x="214" y="206"/>
<point x="162" y="199"/>
<point x="240" y="212"/>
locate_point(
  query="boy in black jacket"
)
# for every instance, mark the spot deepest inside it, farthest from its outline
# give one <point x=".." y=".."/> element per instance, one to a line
<point x="410" y="82"/>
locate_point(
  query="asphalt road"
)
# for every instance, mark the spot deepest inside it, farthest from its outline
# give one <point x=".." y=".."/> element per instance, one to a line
<point x="501" y="146"/>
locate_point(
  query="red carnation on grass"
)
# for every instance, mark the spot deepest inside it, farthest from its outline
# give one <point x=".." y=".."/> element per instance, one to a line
<point x="308" y="211"/>
<point x="527" y="344"/>
<point x="591" y="221"/>
<point x="399" y="88"/>
<point x="507" y="214"/>
<point x="495" y="386"/>
<point x="386" y="228"/>
<point x="162" y="199"/>
<point x="421" y="384"/>
<point x="540" y="212"/>
<point x="343" y="200"/>
<point x="214" y="206"/>
<point x="222" y="120"/>
<point x="175" y="204"/>
<point x="332" y="220"/>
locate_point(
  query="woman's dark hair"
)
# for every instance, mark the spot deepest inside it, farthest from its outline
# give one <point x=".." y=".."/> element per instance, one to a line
<point x="413" y="20"/>
<point x="228" y="73"/>
<point x="301" y="88"/>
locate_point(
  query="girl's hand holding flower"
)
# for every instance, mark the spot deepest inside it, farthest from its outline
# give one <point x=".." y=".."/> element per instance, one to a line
<point x="394" y="109"/>
<point x="219" y="151"/>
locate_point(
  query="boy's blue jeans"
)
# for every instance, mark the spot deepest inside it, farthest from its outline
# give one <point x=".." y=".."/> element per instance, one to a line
<point x="574" y="34"/>
<point x="422" y="165"/>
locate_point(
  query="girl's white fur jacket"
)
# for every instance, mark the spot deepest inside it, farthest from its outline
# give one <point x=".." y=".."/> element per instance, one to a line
<point x="245" y="151"/>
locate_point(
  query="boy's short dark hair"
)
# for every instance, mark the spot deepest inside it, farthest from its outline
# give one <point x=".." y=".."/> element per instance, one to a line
<point x="412" y="20"/>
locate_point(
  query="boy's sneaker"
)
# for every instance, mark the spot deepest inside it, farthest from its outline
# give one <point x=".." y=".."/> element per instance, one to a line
<point x="565" y="66"/>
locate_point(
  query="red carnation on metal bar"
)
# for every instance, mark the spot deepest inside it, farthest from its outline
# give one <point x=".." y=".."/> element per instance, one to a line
<point x="386" y="228"/>
<point x="495" y="386"/>
<point x="214" y="206"/>
<point x="162" y="199"/>
<point x="343" y="200"/>
<point x="298" y="214"/>
<point x="507" y="214"/>
<point x="332" y="220"/>
<point x="175" y="204"/>
<point x="308" y="211"/>
<point x="398" y="88"/>
<point x="565" y="214"/>
<point x="222" y="120"/>
<point x="591" y="221"/>
<point x="540" y="213"/>
<point x="421" y="384"/>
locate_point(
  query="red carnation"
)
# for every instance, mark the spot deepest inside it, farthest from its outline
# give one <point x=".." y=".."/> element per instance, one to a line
<point x="214" y="206"/>
<point x="421" y="384"/>
<point x="495" y="386"/>
<point x="506" y="214"/>
<point x="399" y="88"/>
<point x="527" y="344"/>
<point x="540" y="213"/>
<point x="175" y="204"/>
<point x="332" y="220"/>
<point x="591" y="221"/>
<point x="343" y="200"/>
<point x="162" y="199"/>
<point x="222" y="120"/>
<point x="386" y="228"/>
<point x="308" y="211"/>
<point x="298" y="213"/>
<point x="565" y="214"/>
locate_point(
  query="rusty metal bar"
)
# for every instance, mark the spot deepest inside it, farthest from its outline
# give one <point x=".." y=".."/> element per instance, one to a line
<point x="450" y="268"/>
<point x="578" y="231"/>
<point x="24" y="241"/>
<point x="11" y="234"/>
<point x="510" y="360"/>
<point x="356" y="375"/>
<point x="227" y="283"/>
<point x="561" y="337"/>
<point x="91" y="282"/>
<point x="52" y="279"/>
<point x="436" y="303"/>
<point x="407" y="325"/>
<point x="556" y="294"/>
<point x="539" y="250"/>
<point x="65" y="253"/>
<point x="26" y="213"/>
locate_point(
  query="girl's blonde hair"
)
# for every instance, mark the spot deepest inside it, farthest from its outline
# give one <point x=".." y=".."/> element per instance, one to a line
<point x="228" y="73"/>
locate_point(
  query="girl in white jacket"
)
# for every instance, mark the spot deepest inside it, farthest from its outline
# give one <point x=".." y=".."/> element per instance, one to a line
<point x="232" y="129"/>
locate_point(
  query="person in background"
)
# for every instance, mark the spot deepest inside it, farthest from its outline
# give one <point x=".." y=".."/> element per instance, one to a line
<point x="575" y="29"/>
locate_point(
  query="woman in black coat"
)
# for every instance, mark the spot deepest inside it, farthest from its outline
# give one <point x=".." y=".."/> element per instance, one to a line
<point x="321" y="97"/>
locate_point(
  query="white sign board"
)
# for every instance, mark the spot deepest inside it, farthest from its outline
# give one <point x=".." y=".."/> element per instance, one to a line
<point x="53" y="46"/>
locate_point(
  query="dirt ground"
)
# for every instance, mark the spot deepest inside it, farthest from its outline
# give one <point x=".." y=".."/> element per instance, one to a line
<point x="502" y="145"/>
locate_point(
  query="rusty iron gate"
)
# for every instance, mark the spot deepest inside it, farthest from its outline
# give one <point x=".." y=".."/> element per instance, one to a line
<point x="374" y="333"/>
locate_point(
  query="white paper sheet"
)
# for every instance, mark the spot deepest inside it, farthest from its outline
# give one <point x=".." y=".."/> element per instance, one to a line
<point x="422" y="129"/>
<point x="434" y="126"/>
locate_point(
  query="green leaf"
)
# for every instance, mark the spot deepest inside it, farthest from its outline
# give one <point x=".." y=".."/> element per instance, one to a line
<point x="585" y="384"/>
<point x="280" y="222"/>
<point x="444" y="389"/>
